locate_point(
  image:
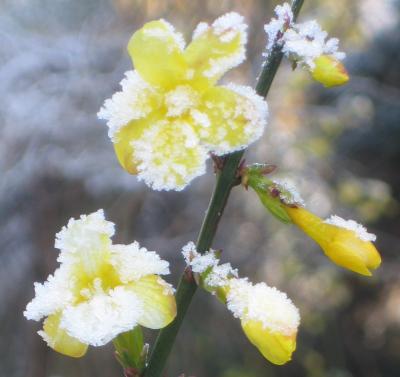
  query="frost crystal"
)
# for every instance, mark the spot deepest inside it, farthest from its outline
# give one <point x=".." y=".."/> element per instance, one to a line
<point x="101" y="289"/>
<point x="302" y="42"/>
<point x="262" y="303"/>
<point x="219" y="275"/>
<point x="360" y="231"/>
<point x="132" y="103"/>
<point x="162" y="165"/>
<point x="198" y="262"/>
<point x="288" y="193"/>
<point x="306" y="41"/>
<point x="277" y="26"/>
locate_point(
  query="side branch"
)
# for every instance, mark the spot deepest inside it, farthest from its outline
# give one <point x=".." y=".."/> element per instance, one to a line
<point x="225" y="181"/>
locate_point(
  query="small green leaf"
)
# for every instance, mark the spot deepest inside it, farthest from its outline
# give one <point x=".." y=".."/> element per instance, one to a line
<point x="130" y="349"/>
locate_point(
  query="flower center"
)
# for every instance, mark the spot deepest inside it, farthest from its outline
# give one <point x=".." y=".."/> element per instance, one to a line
<point x="180" y="100"/>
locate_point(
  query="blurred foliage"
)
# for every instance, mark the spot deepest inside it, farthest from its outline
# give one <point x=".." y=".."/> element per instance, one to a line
<point x="60" y="59"/>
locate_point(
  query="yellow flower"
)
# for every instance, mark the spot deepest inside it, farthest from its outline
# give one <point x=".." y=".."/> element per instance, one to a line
<point x="170" y="114"/>
<point x="268" y="317"/>
<point x="329" y="71"/>
<point x="346" y="243"/>
<point x="100" y="290"/>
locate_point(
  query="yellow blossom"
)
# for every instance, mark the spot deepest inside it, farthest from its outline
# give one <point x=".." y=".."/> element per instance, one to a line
<point x="346" y="243"/>
<point x="99" y="290"/>
<point x="170" y="115"/>
<point x="329" y="71"/>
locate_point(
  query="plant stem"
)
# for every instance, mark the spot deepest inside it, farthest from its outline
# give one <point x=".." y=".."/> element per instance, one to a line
<point x="226" y="179"/>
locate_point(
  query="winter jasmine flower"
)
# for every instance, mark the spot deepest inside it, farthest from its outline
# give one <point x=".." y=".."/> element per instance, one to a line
<point x="170" y="114"/>
<point x="100" y="289"/>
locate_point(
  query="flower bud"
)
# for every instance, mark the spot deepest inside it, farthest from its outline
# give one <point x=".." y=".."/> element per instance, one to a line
<point x="268" y="317"/>
<point x="346" y="243"/>
<point x="329" y="71"/>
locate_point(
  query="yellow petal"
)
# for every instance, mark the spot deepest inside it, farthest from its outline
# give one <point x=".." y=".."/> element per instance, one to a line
<point x="215" y="49"/>
<point x="59" y="340"/>
<point x="275" y="347"/>
<point x="123" y="139"/>
<point x="341" y="245"/>
<point x="329" y="71"/>
<point x="156" y="52"/>
<point x="230" y="118"/>
<point x="169" y="155"/>
<point x="159" y="306"/>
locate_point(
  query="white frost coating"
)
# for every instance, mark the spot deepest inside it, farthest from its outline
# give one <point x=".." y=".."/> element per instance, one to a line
<point x="132" y="103"/>
<point x="87" y="232"/>
<point x="163" y="34"/>
<point x="359" y="230"/>
<point x="253" y="109"/>
<point x="51" y="296"/>
<point x="169" y="156"/>
<point x="262" y="303"/>
<point x="288" y="193"/>
<point x="200" y="29"/>
<point x="134" y="262"/>
<point x="229" y="26"/>
<point x="220" y="275"/>
<point x="103" y="317"/>
<point x="278" y="25"/>
<point x="226" y="28"/>
<point x="180" y="100"/>
<point x="306" y="41"/>
<point x="302" y="42"/>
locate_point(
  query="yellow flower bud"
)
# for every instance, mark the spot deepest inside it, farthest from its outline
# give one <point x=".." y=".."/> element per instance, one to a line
<point x="274" y="346"/>
<point x="329" y="71"/>
<point x="346" y="243"/>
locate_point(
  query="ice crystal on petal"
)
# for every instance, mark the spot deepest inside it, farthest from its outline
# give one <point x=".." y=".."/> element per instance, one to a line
<point x="103" y="317"/>
<point x="229" y="26"/>
<point x="265" y="304"/>
<point x="133" y="102"/>
<point x="360" y="231"/>
<point x="170" y="156"/>
<point x="180" y="100"/>
<point x="133" y="262"/>
<point x="166" y="33"/>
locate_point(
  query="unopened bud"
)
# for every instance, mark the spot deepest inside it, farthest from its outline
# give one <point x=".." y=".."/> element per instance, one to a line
<point x="329" y="71"/>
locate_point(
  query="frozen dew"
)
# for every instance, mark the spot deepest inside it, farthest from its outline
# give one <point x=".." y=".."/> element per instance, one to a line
<point x="169" y="155"/>
<point x="135" y="101"/>
<point x="301" y="42"/>
<point x="359" y="230"/>
<point x="277" y="26"/>
<point x="180" y="100"/>
<point x="262" y="303"/>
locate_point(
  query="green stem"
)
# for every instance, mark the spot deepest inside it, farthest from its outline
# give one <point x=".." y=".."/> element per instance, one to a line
<point x="226" y="179"/>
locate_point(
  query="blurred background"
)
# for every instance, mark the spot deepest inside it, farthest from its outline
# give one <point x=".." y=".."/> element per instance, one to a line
<point x="59" y="59"/>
